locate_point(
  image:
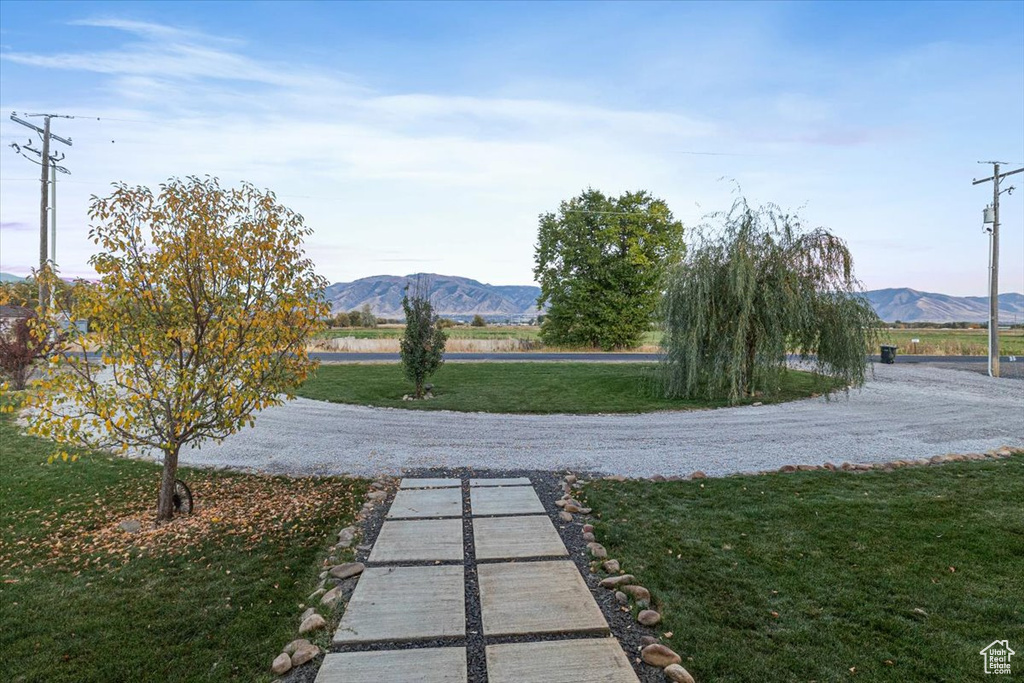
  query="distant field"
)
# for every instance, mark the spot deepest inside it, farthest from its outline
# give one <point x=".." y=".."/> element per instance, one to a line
<point x="932" y="342"/>
<point x="953" y="342"/>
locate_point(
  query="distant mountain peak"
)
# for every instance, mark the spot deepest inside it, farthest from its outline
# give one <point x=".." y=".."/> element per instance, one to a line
<point x="451" y="295"/>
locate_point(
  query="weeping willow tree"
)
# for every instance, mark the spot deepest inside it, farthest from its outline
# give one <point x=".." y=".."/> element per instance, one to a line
<point x="748" y="294"/>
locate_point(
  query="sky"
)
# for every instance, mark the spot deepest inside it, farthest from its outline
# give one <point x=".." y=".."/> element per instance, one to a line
<point x="428" y="137"/>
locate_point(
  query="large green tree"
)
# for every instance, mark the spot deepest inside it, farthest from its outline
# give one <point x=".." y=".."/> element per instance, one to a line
<point x="753" y="290"/>
<point x="599" y="261"/>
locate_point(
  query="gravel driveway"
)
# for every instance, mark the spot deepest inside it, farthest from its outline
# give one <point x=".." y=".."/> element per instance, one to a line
<point x="903" y="412"/>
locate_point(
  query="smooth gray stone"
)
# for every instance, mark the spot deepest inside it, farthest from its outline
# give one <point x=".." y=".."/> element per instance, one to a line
<point x="519" y="598"/>
<point x="427" y="665"/>
<point x="498" y="538"/>
<point x="430" y="483"/>
<point x="516" y="481"/>
<point x="596" y="660"/>
<point x="416" y="540"/>
<point x="505" y="500"/>
<point x="417" y="503"/>
<point x="392" y="604"/>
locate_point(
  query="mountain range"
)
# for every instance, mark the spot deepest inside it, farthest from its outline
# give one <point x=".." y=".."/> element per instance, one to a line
<point x="462" y="297"/>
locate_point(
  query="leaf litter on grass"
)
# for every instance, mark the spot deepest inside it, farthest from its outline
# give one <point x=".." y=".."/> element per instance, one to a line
<point x="246" y="510"/>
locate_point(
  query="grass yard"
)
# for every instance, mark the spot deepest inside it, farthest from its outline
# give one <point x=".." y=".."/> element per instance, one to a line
<point x="519" y="388"/>
<point x="816" y="576"/>
<point x="953" y="342"/>
<point x="211" y="597"/>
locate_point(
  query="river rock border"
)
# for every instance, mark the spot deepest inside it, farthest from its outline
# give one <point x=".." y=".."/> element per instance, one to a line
<point x="629" y="593"/>
<point x="338" y="577"/>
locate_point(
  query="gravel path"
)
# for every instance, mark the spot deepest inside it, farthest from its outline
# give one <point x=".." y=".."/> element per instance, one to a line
<point x="903" y="412"/>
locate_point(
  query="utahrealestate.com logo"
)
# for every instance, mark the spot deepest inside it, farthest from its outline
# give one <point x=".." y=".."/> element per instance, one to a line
<point x="997" y="657"/>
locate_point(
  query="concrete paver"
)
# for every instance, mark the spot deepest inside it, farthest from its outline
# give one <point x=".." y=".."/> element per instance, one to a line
<point x="408" y="483"/>
<point x="392" y="604"/>
<point x="426" y="665"/>
<point x="417" y="540"/>
<point x="516" y="537"/>
<point x="536" y="597"/>
<point x="597" y="660"/>
<point x="505" y="500"/>
<point x="514" y="481"/>
<point x="416" y="503"/>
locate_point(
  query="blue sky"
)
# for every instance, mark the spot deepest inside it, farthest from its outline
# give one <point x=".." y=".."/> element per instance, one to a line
<point x="429" y="136"/>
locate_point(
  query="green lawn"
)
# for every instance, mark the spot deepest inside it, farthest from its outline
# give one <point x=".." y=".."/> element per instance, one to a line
<point x="518" y="388"/>
<point x="816" y="576"/>
<point x="211" y="598"/>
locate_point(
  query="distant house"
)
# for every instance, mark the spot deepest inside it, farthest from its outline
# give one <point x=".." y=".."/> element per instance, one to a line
<point x="10" y="315"/>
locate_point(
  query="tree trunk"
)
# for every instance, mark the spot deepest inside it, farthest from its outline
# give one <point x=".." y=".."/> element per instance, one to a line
<point x="165" y="504"/>
<point x="751" y="359"/>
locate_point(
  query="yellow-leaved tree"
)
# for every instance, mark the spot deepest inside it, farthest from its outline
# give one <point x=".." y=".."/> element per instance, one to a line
<point x="200" y="318"/>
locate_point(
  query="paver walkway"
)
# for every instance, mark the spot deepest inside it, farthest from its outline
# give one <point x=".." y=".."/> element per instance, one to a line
<point x="482" y="552"/>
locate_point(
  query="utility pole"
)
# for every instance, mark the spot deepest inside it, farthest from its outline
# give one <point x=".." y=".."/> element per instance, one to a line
<point x="46" y="161"/>
<point x="993" y="283"/>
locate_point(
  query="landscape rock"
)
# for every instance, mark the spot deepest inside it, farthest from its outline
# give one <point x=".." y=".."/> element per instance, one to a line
<point x="315" y="595"/>
<point x="647" y="640"/>
<point x="611" y="566"/>
<point x="638" y="593"/>
<point x="698" y="475"/>
<point x="282" y="664"/>
<point x="617" y="581"/>
<point x="564" y="516"/>
<point x="569" y="507"/>
<point x="597" y="550"/>
<point x="377" y="495"/>
<point x="291" y="647"/>
<point x="678" y="674"/>
<point x="615" y="477"/>
<point x="132" y="526"/>
<point x="588" y="537"/>
<point x="347" y="570"/>
<point x="658" y="478"/>
<point x="304" y="653"/>
<point x="787" y="468"/>
<point x="588" y="528"/>
<point x="659" y="655"/>
<point x="560" y="503"/>
<point x="570" y="479"/>
<point x="648" y="617"/>
<point x="313" y="622"/>
<point x="305" y="615"/>
<point x="621" y="598"/>
<point x="331" y="597"/>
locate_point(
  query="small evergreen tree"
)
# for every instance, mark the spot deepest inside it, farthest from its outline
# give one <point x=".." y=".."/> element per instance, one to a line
<point x="478" y="321"/>
<point x="424" y="339"/>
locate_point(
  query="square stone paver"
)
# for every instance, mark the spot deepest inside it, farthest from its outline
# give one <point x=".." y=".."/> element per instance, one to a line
<point x="517" y="481"/>
<point x="426" y="665"/>
<point x="597" y="660"/>
<point x="498" y="538"/>
<point x="415" y="540"/>
<point x="408" y="483"/>
<point x="504" y="500"/>
<point x="414" y="503"/>
<point x="394" y="604"/>
<point x="536" y="597"/>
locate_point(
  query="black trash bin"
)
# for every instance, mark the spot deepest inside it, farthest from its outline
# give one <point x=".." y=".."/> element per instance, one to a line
<point x="888" y="354"/>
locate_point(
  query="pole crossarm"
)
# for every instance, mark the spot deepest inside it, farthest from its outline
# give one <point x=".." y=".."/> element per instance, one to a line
<point x="1001" y="176"/>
